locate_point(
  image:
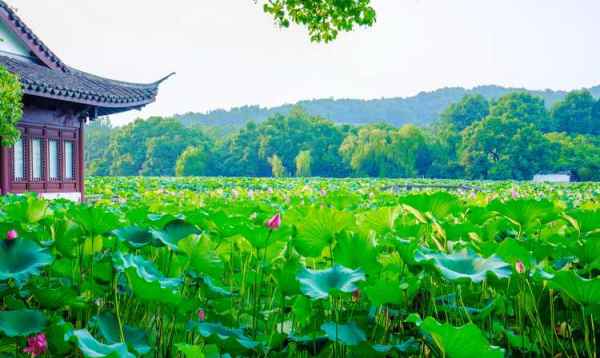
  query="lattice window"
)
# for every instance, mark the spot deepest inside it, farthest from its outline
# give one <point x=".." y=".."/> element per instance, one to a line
<point x="37" y="159"/>
<point x="19" y="160"/>
<point x="53" y="160"/>
<point x="69" y="160"/>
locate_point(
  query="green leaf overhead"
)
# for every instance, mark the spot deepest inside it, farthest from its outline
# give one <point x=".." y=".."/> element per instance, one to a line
<point x="317" y="229"/>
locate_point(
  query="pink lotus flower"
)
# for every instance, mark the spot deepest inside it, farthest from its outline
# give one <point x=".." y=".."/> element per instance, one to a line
<point x="36" y="345"/>
<point x="275" y="222"/>
<point x="201" y="315"/>
<point x="514" y="193"/>
<point x="323" y="192"/>
<point x="11" y="235"/>
<point x="520" y="267"/>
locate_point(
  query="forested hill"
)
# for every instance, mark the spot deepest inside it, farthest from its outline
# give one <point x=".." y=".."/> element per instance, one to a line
<point x="421" y="109"/>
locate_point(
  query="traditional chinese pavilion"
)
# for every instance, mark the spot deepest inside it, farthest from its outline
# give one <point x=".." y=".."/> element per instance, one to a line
<point x="57" y="102"/>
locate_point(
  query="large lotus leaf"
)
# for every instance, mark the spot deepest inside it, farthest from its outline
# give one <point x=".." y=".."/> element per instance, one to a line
<point x="151" y="291"/>
<point x="286" y="277"/>
<point x="230" y="336"/>
<point x="22" y="258"/>
<point x="58" y="298"/>
<point x="55" y="333"/>
<point x="260" y="237"/>
<point x="440" y="204"/>
<point x="67" y="236"/>
<point x="95" y="220"/>
<point x="380" y="220"/>
<point x="317" y="228"/>
<point x="511" y="251"/>
<point x="585" y="221"/>
<point x="92" y="348"/>
<point x="135" y="237"/>
<point x="349" y="334"/>
<point x="174" y="232"/>
<point x="202" y="257"/>
<point x="459" y="342"/>
<point x="135" y="338"/>
<point x="214" y="288"/>
<point x="190" y="351"/>
<point x="526" y="212"/>
<point x="391" y="292"/>
<point x="318" y="284"/>
<point x="30" y="210"/>
<point x="161" y="220"/>
<point x="354" y="251"/>
<point x="581" y="290"/>
<point x="465" y="265"/>
<point x="22" y="323"/>
<point x="144" y="269"/>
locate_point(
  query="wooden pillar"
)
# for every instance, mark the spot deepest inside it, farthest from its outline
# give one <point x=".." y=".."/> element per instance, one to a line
<point x="81" y="161"/>
<point x="4" y="170"/>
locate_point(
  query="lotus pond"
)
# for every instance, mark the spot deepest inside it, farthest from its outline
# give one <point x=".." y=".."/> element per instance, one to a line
<point x="220" y="267"/>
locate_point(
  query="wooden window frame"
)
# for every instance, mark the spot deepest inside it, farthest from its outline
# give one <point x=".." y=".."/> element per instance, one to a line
<point x="47" y="184"/>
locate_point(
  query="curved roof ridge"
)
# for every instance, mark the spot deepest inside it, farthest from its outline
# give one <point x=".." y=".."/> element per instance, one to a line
<point x="31" y="40"/>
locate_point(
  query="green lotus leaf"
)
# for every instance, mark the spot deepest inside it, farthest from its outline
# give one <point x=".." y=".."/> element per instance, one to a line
<point x="354" y="251"/>
<point x="409" y="346"/>
<point x="144" y="269"/>
<point x="440" y="204"/>
<point x="155" y="291"/>
<point x="317" y="228"/>
<point x="22" y="323"/>
<point x="581" y="290"/>
<point x="135" y="237"/>
<point x="459" y="342"/>
<point x="161" y="220"/>
<point x="92" y="348"/>
<point x="58" y="298"/>
<point x="22" y="258"/>
<point x="190" y="351"/>
<point x="392" y="292"/>
<point x="349" y="334"/>
<point x="380" y="220"/>
<point x="55" y="333"/>
<point x="30" y="210"/>
<point x="223" y="334"/>
<point x="202" y="257"/>
<point x="214" y="288"/>
<point x="95" y="220"/>
<point x="465" y="265"/>
<point x="526" y="212"/>
<point x="135" y="338"/>
<point x="587" y="222"/>
<point x="318" y="284"/>
<point x="174" y="232"/>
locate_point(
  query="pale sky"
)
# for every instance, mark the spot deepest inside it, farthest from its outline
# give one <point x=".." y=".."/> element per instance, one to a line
<point x="229" y="53"/>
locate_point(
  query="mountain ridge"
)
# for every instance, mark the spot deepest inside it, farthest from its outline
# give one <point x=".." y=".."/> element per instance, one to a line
<point x="421" y="109"/>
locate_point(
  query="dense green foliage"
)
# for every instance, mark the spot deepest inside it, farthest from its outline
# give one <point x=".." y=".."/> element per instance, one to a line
<point x="422" y="109"/>
<point x="324" y="19"/>
<point x="203" y="267"/>
<point x="514" y="137"/>
<point x="11" y="106"/>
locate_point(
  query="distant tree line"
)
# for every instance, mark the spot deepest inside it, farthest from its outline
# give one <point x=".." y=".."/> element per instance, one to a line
<point x="513" y="137"/>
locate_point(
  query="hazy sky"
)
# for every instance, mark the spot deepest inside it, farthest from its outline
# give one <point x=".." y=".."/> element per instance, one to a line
<point x="229" y="53"/>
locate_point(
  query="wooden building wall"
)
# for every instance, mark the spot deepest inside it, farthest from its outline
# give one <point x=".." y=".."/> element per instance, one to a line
<point x="47" y="120"/>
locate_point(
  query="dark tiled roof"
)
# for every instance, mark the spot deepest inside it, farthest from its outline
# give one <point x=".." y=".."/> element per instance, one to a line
<point x="76" y="86"/>
<point x="51" y="78"/>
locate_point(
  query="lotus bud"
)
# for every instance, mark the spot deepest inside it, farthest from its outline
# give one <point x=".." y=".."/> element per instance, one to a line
<point x="11" y="235"/>
<point x="514" y="193"/>
<point x="275" y="222"/>
<point x="520" y="267"/>
<point x="356" y="295"/>
<point x="201" y="315"/>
